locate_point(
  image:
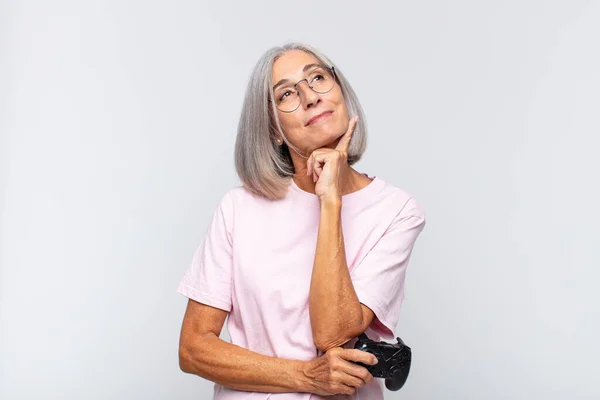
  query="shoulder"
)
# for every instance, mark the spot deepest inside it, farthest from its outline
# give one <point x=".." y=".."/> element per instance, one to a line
<point x="242" y="194"/>
<point x="239" y="198"/>
<point x="405" y="201"/>
<point x="240" y="208"/>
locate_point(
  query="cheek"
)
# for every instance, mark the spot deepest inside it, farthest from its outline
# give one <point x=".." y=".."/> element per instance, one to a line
<point x="290" y="122"/>
<point x="343" y="114"/>
<point x="341" y="104"/>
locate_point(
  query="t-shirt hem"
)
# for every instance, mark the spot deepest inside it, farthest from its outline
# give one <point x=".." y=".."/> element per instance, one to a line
<point x="380" y="324"/>
<point x="202" y="297"/>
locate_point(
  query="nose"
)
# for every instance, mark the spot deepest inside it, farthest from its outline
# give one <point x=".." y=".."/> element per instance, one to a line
<point x="308" y="97"/>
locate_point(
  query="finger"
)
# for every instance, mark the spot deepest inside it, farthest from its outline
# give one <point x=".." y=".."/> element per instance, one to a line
<point x="359" y="356"/>
<point x="359" y="375"/>
<point x="351" y="380"/>
<point x="311" y="163"/>
<point x="344" y="389"/>
<point x="345" y="140"/>
<point x="318" y="166"/>
<point x="317" y="170"/>
<point x="344" y="375"/>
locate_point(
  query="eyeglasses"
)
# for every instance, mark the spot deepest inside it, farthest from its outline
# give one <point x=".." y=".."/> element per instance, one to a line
<point x="321" y="80"/>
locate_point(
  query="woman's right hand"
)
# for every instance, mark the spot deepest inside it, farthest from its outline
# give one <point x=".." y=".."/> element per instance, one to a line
<point x="333" y="372"/>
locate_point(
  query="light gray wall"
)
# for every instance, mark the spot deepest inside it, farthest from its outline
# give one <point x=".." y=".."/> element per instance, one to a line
<point x="118" y="125"/>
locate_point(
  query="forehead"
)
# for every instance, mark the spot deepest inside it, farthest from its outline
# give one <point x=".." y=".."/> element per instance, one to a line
<point x="290" y="64"/>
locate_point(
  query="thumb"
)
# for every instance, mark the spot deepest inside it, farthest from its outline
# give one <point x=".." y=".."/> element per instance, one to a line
<point x="358" y="356"/>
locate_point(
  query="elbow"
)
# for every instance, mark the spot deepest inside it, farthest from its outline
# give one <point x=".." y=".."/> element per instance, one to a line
<point x="188" y="357"/>
<point x="324" y="347"/>
<point x="185" y="359"/>
<point x="191" y="351"/>
<point x="325" y="344"/>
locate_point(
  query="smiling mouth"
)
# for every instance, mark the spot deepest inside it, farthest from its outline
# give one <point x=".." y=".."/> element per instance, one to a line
<point x="319" y="117"/>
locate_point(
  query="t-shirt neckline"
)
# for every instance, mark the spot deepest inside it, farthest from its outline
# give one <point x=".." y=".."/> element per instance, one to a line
<point x="348" y="200"/>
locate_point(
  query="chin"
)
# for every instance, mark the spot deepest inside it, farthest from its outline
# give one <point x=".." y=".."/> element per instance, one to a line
<point x="329" y="139"/>
<point x="327" y="134"/>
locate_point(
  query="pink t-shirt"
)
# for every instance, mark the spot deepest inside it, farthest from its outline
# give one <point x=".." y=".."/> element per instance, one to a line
<point x="256" y="261"/>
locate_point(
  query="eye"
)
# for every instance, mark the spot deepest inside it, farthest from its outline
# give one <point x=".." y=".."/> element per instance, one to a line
<point x="320" y="76"/>
<point x="287" y="93"/>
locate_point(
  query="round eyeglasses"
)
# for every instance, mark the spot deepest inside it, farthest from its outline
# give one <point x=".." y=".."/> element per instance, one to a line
<point x="321" y="79"/>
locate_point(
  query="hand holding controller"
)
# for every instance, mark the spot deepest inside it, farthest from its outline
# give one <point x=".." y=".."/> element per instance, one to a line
<point x="394" y="360"/>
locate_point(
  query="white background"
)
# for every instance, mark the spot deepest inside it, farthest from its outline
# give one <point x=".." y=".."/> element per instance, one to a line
<point x="118" y="120"/>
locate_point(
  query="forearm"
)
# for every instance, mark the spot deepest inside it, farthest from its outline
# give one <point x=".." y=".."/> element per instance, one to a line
<point x="335" y="311"/>
<point x="236" y="367"/>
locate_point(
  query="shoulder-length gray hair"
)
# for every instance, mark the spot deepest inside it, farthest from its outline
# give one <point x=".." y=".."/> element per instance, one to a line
<point x="264" y="167"/>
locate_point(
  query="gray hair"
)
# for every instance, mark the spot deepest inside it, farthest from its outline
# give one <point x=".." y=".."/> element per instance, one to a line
<point x="264" y="167"/>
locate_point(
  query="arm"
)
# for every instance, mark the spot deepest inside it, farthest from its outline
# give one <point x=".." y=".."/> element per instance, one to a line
<point x="203" y="353"/>
<point x="336" y="314"/>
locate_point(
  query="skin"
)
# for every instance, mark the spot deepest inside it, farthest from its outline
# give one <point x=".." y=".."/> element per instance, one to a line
<point x="336" y="315"/>
<point x="328" y="139"/>
<point x="203" y="353"/>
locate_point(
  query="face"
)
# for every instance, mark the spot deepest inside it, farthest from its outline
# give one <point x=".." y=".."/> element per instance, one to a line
<point x="297" y="126"/>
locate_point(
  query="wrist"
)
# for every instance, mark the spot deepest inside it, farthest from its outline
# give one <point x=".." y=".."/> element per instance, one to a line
<point x="330" y="201"/>
<point x="302" y="383"/>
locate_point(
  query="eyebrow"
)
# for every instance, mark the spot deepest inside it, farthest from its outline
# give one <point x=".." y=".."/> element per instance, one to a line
<point x="307" y="66"/>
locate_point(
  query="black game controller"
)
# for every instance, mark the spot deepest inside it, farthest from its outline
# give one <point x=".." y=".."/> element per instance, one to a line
<point x="394" y="360"/>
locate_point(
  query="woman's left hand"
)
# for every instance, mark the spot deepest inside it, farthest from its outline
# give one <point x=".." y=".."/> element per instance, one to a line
<point x="328" y="166"/>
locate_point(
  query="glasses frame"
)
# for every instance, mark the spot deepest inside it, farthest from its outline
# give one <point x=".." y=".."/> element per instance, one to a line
<point x="332" y="69"/>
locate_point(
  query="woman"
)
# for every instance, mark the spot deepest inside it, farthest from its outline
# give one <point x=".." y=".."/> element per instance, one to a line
<point x="307" y="254"/>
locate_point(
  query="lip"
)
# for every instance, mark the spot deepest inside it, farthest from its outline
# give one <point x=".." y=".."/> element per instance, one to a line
<point x="318" y="117"/>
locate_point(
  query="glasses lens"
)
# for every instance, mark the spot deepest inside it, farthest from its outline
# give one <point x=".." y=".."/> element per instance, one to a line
<point x="287" y="99"/>
<point x="320" y="79"/>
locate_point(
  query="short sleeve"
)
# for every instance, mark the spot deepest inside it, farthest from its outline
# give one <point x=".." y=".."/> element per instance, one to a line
<point x="378" y="279"/>
<point x="207" y="279"/>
